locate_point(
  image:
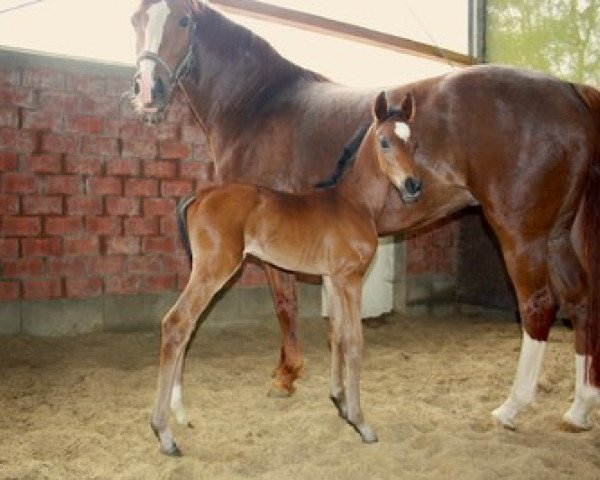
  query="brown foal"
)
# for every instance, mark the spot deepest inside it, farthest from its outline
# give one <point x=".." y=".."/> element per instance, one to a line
<point x="331" y="232"/>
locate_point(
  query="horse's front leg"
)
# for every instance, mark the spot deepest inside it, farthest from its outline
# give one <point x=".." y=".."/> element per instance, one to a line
<point x="336" y="383"/>
<point x="283" y="291"/>
<point x="352" y="350"/>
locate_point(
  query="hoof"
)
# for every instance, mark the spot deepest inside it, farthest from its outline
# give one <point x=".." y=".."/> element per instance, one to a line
<point x="567" y="426"/>
<point x="503" y="420"/>
<point x="277" y="390"/>
<point x="172" y="450"/>
<point x="368" y="436"/>
<point x="366" y="433"/>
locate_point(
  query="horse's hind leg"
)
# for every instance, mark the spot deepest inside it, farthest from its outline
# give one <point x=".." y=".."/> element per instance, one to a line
<point x="283" y="291"/>
<point x="537" y="308"/>
<point x="177" y="394"/>
<point x="176" y="329"/>
<point x="569" y="281"/>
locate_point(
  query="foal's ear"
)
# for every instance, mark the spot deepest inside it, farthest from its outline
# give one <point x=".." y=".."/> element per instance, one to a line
<point x="380" y="108"/>
<point x="408" y="108"/>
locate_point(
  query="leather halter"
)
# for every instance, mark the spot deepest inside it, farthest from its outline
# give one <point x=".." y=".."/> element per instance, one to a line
<point x="184" y="66"/>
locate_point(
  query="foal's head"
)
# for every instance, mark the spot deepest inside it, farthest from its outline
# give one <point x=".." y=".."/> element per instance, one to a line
<point x="392" y="131"/>
<point x="165" y="31"/>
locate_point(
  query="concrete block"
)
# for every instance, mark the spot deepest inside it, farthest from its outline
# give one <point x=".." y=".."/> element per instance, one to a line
<point x="136" y="313"/>
<point x="63" y="317"/>
<point x="444" y="310"/>
<point x="421" y="310"/>
<point x="10" y="318"/>
<point x="309" y="300"/>
<point x="418" y="290"/>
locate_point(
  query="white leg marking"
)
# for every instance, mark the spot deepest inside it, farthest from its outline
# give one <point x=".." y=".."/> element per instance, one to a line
<point x="586" y="396"/>
<point x="522" y="393"/>
<point x="177" y="406"/>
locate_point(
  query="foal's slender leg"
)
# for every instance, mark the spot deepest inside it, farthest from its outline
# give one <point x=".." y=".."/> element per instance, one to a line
<point x="350" y="290"/>
<point x="283" y="291"/>
<point x="177" y="327"/>
<point x="537" y="307"/>
<point x="336" y="384"/>
<point x="177" y="395"/>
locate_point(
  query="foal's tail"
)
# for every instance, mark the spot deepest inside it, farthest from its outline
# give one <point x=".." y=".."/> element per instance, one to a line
<point x="591" y="240"/>
<point x="182" y="223"/>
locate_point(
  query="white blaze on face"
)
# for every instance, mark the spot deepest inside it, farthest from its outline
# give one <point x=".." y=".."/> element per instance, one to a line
<point x="157" y="18"/>
<point x="402" y="130"/>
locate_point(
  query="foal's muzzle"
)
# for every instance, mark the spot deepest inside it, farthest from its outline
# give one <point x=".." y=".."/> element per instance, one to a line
<point x="410" y="191"/>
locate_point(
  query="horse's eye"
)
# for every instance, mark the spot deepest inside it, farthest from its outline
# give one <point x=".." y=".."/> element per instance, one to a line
<point x="384" y="143"/>
<point x="183" y="22"/>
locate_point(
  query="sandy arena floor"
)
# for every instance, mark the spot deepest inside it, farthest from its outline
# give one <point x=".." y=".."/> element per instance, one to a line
<point x="78" y="408"/>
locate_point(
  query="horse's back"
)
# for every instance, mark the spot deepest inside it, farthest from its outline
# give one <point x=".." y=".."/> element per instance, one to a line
<point x="512" y="132"/>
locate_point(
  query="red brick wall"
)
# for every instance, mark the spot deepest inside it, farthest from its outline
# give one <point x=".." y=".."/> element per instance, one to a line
<point x="87" y="192"/>
<point x="433" y="250"/>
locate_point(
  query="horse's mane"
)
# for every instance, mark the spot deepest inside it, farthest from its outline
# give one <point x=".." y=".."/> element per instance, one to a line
<point x="231" y="40"/>
<point x="346" y="160"/>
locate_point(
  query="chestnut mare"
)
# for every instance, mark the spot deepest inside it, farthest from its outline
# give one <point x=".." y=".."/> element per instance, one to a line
<point x="330" y="232"/>
<point x="522" y="145"/>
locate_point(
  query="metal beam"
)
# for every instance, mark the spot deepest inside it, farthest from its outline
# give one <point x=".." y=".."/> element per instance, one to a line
<point x="318" y="24"/>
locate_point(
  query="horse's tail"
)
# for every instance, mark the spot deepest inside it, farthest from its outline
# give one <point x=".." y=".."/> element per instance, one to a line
<point x="182" y="206"/>
<point x="591" y="239"/>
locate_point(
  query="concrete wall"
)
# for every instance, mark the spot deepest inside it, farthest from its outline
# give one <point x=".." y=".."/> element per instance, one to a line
<point x="88" y="235"/>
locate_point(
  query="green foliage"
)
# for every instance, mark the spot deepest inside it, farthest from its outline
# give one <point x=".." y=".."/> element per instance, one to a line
<point x="555" y="36"/>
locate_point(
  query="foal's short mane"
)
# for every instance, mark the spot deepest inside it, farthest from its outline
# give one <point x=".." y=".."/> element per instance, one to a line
<point x="348" y="156"/>
<point x="346" y="159"/>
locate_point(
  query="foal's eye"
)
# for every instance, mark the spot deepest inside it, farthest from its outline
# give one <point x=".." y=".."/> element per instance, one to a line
<point x="384" y="143"/>
<point x="183" y="22"/>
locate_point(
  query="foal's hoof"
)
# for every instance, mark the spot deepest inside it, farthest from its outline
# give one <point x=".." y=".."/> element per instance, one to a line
<point x="366" y="433"/>
<point x="172" y="450"/>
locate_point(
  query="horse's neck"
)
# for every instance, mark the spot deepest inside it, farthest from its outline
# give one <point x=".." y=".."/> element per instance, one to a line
<point x="238" y="72"/>
<point x="364" y="184"/>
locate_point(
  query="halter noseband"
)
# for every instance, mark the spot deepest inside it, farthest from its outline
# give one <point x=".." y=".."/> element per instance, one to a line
<point x="184" y="66"/>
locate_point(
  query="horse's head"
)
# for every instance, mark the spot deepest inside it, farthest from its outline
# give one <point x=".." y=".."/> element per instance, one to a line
<point x="165" y="31"/>
<point x="394" y="147"/>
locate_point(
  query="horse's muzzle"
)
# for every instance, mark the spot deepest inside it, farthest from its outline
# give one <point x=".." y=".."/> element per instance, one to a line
<point x="410" y="191"/>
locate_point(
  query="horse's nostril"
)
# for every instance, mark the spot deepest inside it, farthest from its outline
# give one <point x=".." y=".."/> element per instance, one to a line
<point x="412" y="186"/>
<point x="136" y="87"/>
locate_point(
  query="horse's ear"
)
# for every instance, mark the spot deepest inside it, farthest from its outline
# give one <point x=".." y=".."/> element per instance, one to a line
<point x="380" y="108"/>
<point x="407" y="111"/>
<point x="196" y="6"/>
